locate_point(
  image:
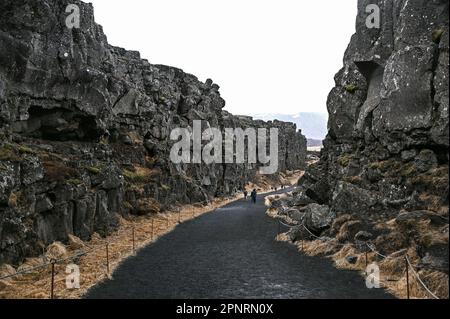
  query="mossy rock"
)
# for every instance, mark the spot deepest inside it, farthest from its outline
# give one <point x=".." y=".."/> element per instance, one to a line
<point x="356" y="180"/>
<point x="436" y="35"/>
<point x="26" y="150"/>
<point x="136" y="177"/>
<point x="351" y="88"/>
<point x="95" y="169"/>
<point x="8" y="153"/>
<point x="166" y="187"/>
<point x="344" y="160"/>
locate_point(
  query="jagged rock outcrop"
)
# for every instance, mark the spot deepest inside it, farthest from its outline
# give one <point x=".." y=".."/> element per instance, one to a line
<point x="388" y="126"/>
<point x="386" y="152"/>
<point x="84" y="131"/>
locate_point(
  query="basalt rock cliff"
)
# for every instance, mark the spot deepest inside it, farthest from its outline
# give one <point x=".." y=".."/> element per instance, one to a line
<point x="383" y="172"/>
<point x="84" y="131"/>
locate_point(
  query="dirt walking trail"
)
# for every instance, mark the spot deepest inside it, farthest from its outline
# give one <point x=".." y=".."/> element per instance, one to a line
<point x="230" y="253"/>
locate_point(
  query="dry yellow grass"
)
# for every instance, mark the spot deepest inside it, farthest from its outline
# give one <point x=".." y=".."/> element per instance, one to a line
<point x="392" y="269"/>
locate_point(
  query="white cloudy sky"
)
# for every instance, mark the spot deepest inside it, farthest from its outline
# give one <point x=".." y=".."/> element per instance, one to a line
<point x="268" y="56"/>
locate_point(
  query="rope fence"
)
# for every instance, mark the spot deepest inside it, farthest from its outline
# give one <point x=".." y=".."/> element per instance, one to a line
<point x="105" y="246"/>
<point x="418" y="278"/>
<point x="408" y="264"/>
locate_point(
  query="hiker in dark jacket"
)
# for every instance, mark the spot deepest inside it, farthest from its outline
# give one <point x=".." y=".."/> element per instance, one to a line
<point x="254" y="196"/>
<point x="245" y="194"/>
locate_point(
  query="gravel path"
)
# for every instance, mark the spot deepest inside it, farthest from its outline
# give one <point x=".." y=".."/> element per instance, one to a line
<point x="230" y="253"/>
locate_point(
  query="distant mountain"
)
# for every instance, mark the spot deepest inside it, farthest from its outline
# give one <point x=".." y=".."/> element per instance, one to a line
<point x="314" y="143"/>
<point x="313" y="125"/>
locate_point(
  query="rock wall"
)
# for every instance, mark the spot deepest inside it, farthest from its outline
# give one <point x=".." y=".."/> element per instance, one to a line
<point x="84" y="131"/>
<point x="390" y="103"/>
<point x="384" y="166"/>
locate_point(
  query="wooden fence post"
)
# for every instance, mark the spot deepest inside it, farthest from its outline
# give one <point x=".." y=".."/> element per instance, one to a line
<point x="107" y="258"/>
<point x="52" y="286"/>
<point x="407" y="277"/>
<point x="153" y="225"/>
<point x="134" y="244"/>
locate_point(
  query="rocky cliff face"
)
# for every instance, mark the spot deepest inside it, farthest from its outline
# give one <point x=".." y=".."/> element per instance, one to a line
<point x="386" y="154"/>
<point x="388" y="126"/>
<point x="85" y="127"/>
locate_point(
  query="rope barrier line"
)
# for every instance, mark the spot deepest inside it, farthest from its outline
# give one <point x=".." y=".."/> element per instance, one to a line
<point x="372" y="248"/>
<point x="289" y="226"/>
<point x="420" y="280"/>
<point x="90" y="250"/>
<point x="25" y="271"/>
<point x="58" y="261"/>
<point x="306" y="228"/>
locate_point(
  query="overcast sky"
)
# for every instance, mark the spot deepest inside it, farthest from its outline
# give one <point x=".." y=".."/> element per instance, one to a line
<point x="268" y="56"/>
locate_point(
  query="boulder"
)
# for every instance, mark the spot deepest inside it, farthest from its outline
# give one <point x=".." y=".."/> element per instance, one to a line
<point x="391" y="242"/>
<point x="408" y="155"/>
<point x="425" y="161"/>
<point x="363" y="236"/>
<point x="296" y="215"/>
<point x="300" y="199"/>
<point x="7" y="270"/>
<point x="348" y="198"/>
<point x="318" y="217"/>
<point x="351" y="259"/>
<point x="406" y="220"/>
<point x="338" y="222"/>
<point x="75" y="243"/>
<point x="430" y="262"/>
<point x="56" y="250"/>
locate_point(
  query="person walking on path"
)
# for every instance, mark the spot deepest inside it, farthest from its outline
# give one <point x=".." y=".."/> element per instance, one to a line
<point x="254" y="196"/>
<point x="245" y="194"/>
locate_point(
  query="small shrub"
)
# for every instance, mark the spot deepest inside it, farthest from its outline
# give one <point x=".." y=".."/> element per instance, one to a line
<point x="375" y="165"/>
<point x="16" y="199"/>
<point x="26" y="150"/>
<point x="95" y="169"/>
<point x="351" y="88"/>
<point x="165" y="187"/>
<point x="353" y="179"/>
<point x="58" y="172"/>
<point x="408" y="170"/>
<point x="433" y="181"/>
<point x="127" y="205"/>
<point x="390" y="165"/>
<point x="150" y="161"/>
<point x="436" y="35"/>
<point x="344" y="160"/>
<point x="148" y="206"/>
<point x="141" y="175"/>
<point x="8" y="153"/>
